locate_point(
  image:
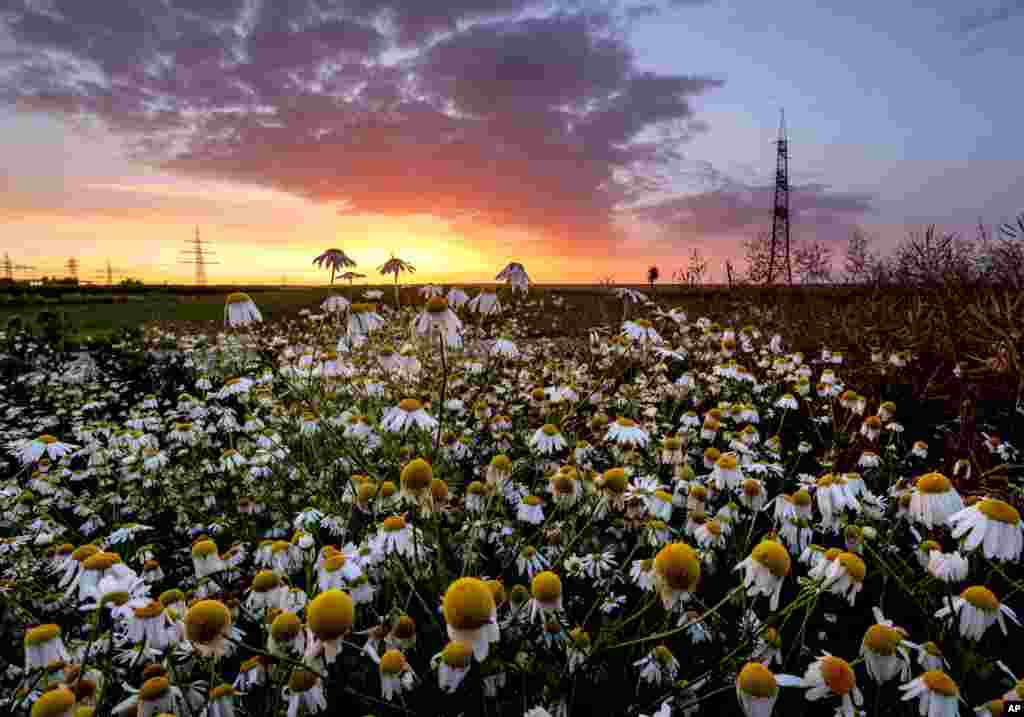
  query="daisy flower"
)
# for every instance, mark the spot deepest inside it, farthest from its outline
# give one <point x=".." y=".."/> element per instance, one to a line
<point x="546" y="591"/>
<point x="884" y="649"/>
<point x="676" y="573"/>
<point x="45" y="445"/>
<point x="757" y="689"/>
<point x="504" y="348"/>
<point x="641" y="330"/>
<point x="934" y="500"/>
<point x="548" y="439"/>
<point x="845" y="574"/>
<point x="486" y="303"/>
<point x="978" y="609"/>
<point x="471" y="615"/>
<point x="993" y="525"/>
<point x="396" y="675"/>
<point x="408" y="413"/>
<point x="363" y="318"/>
<point x="330" y="616"/>
<point x="452" y="665"/>
<point x="240" y="310"/>
<point x="208" y="627"/>
<point x="43" y="645"/>
<point x="765" y="570"/>
<point x="625" y="432"/>
<point x="658" y="667"/>
<point x="830" y="676"/>
<point x="304" y="692"/>
<point x="939" y="694"/>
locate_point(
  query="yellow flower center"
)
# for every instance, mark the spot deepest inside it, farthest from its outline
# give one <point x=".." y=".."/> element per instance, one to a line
<point x="168" y="597"/>
<point x="933" y="483"/>
<point x="882" y="639"/>
<point x="837" y="674"/>
<point x="932" y="649"/>
<point x="855" y="567"/>
<point x="101" y="561"/>
<point x="238" y="297"/>
<point x="546" y="586"/>
<point x="154" y="688"/>
<point x="362" y="308"/>
<point x="757" y="680"/>
<point x="699" y="492"/>
<point x="663" y="655"/>
<point x="222" y="691"/>
<point x="417" y="475"/>
<point x="54" y="703"/>
<point x="206" y="620"/>
<point x="549" y="429"/>
<point x="392" y="662"/>
<point x="938" y="681"/>
<point x="410" y="405"/>
<point x="615" y="480"/>
<point x="981" y="598"/>
<point x="439" y="490"/>
<point x="149" y="611"/>
<point x="457" y="654"/>
<point x="387" y="489"/>
<point x="712" y="454"/>
<point x="204" y="548"/>
<point x="394" y="523"/>
<point x="678" y="566"/>
<point x="999" y="511"/>
<point x="286" y="626"/>
<point x="468" y="604"/>
<point x="626" y="422"/>
<point x="580" y="637"/>
<point x="367" y="492"/>
<point x="437" y="305"/>
<point x="672" y="444"/>
<point x="751" y="488"/>
<point x="773" y="556"/>
<point x="41" y="635"/>
<point x="330" y="614"/>
<point x="302" y="681"/>
<point x="497" y="590"/>
<point x="802" y="498"/>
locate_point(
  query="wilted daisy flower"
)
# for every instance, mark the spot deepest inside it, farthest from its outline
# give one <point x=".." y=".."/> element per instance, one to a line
<point x="765" y="570"/>
<point x="205" y="558"/>
<point x="830" y="676"/>
<point x="939" y="694"/>
<point x="505" y="348"/>
<point x="726" y="473"/>
<point x="641" y="330"/>
<point x="530" y="561"/>
<point x="240" y="310"/>
<point x="471" y="615"/>
<point x="452" y="665"/>
<point x="676" y="573"/>
<point x="625" y="432"/>
<point x="287" y="636"/>
<point x="658" y="667"/>
<point x="486" y="302"/>
<point x="363" y="319"/>
<point x="548" y="439"/>
<point x="330" y="616"/>
<point x="31" y="451"/>
<point x="884" y="649"/>
<point x="757" y="689"/>
<point x="208" y="627"/>
<point x="845" y="576"/>
<point x="408" y="413"/>
<point x="546" y="591"/>
<point x="934" y="500"/>
<point x="978" y="609"/>
<point x="304" y="691"/>
<point x="833" y="494"/>
<point x="530" y="510"/>
<point x="396" y="675"/>
<point x="992" y="524"/>
<point x="43" y="645"/>
<point x="947" y="567"/>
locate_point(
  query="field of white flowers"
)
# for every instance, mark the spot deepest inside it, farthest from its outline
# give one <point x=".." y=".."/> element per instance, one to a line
<point x="366" y="510"/>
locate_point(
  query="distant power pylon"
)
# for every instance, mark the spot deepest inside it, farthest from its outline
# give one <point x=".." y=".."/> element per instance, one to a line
<point x="10" y="268"/>
<point x="72" y="266"/>
<point x="107" y="274"/>
<point x="780" y="211"/>
<point x="198" y="255"/>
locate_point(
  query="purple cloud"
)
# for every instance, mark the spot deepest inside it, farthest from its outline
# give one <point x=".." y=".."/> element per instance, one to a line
<point x="489" y="114"/>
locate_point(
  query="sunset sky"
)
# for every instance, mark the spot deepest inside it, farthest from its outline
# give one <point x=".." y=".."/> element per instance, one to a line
<point x="581" y="138"/>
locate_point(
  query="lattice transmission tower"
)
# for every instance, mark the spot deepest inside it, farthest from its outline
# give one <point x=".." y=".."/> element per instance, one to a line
<point x="198" y="255"/>
<point x="780" y="210"/>
<point x="11" y="268"/>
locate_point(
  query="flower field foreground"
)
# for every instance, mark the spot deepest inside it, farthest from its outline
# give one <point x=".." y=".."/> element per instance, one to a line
<point x="419" y="511"/>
